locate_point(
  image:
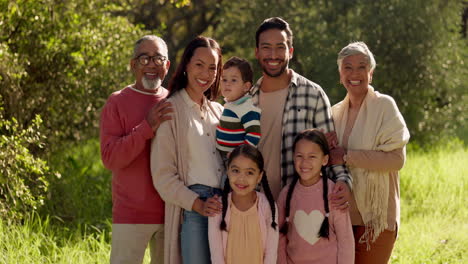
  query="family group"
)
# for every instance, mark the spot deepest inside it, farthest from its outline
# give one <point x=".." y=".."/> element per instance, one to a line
<point x="275" y="175"/>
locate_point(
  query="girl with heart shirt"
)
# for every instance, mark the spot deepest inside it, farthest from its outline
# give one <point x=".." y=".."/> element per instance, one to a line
<point x="246" y="230"/>
<point x="309" y="231"/>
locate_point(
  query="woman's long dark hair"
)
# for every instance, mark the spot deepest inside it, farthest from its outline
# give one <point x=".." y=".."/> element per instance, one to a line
<point x="179" y="78"/>
<point x="255" y="155"/>
<point x="317" y="137"/>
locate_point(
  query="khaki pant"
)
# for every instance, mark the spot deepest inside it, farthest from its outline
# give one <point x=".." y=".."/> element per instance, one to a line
<point x="129" y="242"/>
<point x="380" y="251"/>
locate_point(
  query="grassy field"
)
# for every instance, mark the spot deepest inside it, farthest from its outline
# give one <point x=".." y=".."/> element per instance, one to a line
<point x="434" y="222"/>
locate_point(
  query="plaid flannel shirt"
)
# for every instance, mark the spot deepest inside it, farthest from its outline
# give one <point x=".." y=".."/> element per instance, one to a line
<point x="307" y="106"/>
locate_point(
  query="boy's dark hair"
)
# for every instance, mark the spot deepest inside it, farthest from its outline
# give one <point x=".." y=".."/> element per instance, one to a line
<point x="274" y="23"/>
<point x="244" y="67"/>
<point x="317" y="137"/>
<point x="255" y="155"/>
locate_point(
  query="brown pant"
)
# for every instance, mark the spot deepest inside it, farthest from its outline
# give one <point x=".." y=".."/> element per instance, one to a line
<point x="379" y="252"/>
<point x="129" y="242"/>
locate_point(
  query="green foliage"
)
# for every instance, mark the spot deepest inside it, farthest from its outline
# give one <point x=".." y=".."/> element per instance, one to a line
<point x="61" y="60"/>
<point x="82" y="193"/>
<point x="23" y="176"/>
<point x="58" y="63"/>
<point x="421" y="62"/>
<point x="421" y="58"/>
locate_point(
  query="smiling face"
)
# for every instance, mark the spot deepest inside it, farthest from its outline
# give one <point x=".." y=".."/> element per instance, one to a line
<point x="149" y="78"/>
<point x="308" y="161"/>
<point x="355" y="74"/>
<point x="273" y="53"/>
<point x="232" y="85"/>
<point x="201" y="71"/>
<point x="244" y="175"/>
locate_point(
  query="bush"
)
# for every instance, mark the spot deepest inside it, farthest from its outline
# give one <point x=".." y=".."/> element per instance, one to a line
<point x="59" y="61"/>
<point x="23" y="176"/>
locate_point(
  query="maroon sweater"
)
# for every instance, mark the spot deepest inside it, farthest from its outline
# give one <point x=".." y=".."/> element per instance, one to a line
<point x="125" y="150"/>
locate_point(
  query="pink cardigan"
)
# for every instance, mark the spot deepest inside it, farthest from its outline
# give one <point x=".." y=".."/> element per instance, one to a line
<point x="218" y="238"/>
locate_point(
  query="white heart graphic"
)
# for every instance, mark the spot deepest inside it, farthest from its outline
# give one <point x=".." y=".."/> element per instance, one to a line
<point x="308" y="225"/>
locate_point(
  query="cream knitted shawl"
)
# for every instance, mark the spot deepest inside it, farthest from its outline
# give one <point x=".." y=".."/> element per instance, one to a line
<point x="378" y="126"/>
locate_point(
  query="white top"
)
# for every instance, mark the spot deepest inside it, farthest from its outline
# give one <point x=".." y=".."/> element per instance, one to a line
<point x="205" y="163"/>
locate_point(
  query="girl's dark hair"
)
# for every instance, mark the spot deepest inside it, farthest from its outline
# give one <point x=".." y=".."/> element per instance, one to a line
<point x="244" y="67"/>
<point x="179" y="78"/>
<point x="317" y="137"/>
<point x="255" y="155"/>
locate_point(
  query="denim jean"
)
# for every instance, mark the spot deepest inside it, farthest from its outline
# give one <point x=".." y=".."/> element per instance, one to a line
<point x="194" y="235"/>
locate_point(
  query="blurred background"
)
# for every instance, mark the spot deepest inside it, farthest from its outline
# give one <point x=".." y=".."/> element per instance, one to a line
<point x="60" y="60"/>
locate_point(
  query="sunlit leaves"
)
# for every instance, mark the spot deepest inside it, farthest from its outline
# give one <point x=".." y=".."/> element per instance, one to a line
<point x="64" y="58"/>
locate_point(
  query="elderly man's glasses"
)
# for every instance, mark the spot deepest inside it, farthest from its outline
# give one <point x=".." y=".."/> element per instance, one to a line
<point x="145" y="60"/>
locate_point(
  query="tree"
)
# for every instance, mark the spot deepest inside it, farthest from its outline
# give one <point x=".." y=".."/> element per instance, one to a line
<point x="60" y="60"/>
<point x="419" y="51"/>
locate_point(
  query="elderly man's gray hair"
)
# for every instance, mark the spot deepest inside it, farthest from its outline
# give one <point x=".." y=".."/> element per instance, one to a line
<point x="356" y="48"/>
<point x="155" y="38"/>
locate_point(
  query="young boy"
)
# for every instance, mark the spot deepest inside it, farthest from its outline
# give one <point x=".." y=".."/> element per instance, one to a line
<point x="240" y="122"/>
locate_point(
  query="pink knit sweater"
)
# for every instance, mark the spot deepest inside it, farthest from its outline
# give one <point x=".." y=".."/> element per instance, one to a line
<point x="125" y="150"/>
<point x="302" y="244"/>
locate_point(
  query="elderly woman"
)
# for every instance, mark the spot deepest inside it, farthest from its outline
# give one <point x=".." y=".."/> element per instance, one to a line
<point x="185" y="165"/>
<point x="373" y="134"/>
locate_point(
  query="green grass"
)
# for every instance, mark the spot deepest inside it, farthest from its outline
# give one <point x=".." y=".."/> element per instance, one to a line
<point x="47" y="240"/>
<point x="434" y="220"/>
<point x="40" y="241"/>
<point x="76" y="228"/>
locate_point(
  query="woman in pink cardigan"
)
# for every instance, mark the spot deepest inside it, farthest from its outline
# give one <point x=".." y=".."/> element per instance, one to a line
<point x="246" y="231"/>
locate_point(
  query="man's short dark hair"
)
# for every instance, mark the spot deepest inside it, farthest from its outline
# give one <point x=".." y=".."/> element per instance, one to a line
<point x="243" y="66"/>
<point x="275" y="23"/>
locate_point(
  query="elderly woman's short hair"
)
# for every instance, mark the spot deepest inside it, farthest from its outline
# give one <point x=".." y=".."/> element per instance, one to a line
<point x="154" y="38"/>
<point x="356" y="48"/>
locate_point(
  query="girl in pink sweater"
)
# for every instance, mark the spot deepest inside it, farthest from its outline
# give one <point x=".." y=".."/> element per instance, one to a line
<point x="310" y="232"/>
<point x="246" y="230"/>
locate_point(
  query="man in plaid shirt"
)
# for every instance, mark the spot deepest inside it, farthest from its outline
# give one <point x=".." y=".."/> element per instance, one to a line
<point x="290" y="103"/>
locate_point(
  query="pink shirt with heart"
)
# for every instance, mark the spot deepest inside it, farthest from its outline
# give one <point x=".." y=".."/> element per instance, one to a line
<point x="302" y="244"/>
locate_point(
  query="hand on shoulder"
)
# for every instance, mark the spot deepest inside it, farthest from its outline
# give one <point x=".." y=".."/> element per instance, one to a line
<point x="159" y="113"/>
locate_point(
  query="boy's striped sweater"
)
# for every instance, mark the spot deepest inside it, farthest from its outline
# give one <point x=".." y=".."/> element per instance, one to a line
<point x="239" y="124"/>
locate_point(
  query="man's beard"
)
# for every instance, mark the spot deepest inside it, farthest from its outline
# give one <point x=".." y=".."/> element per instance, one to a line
<point x="152" y="85"/>
<point x="282" y="69"/>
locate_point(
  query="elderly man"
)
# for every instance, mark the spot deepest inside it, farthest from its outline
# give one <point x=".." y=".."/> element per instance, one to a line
<point x="129" y="120"/>
<point x="290" y="103"/>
